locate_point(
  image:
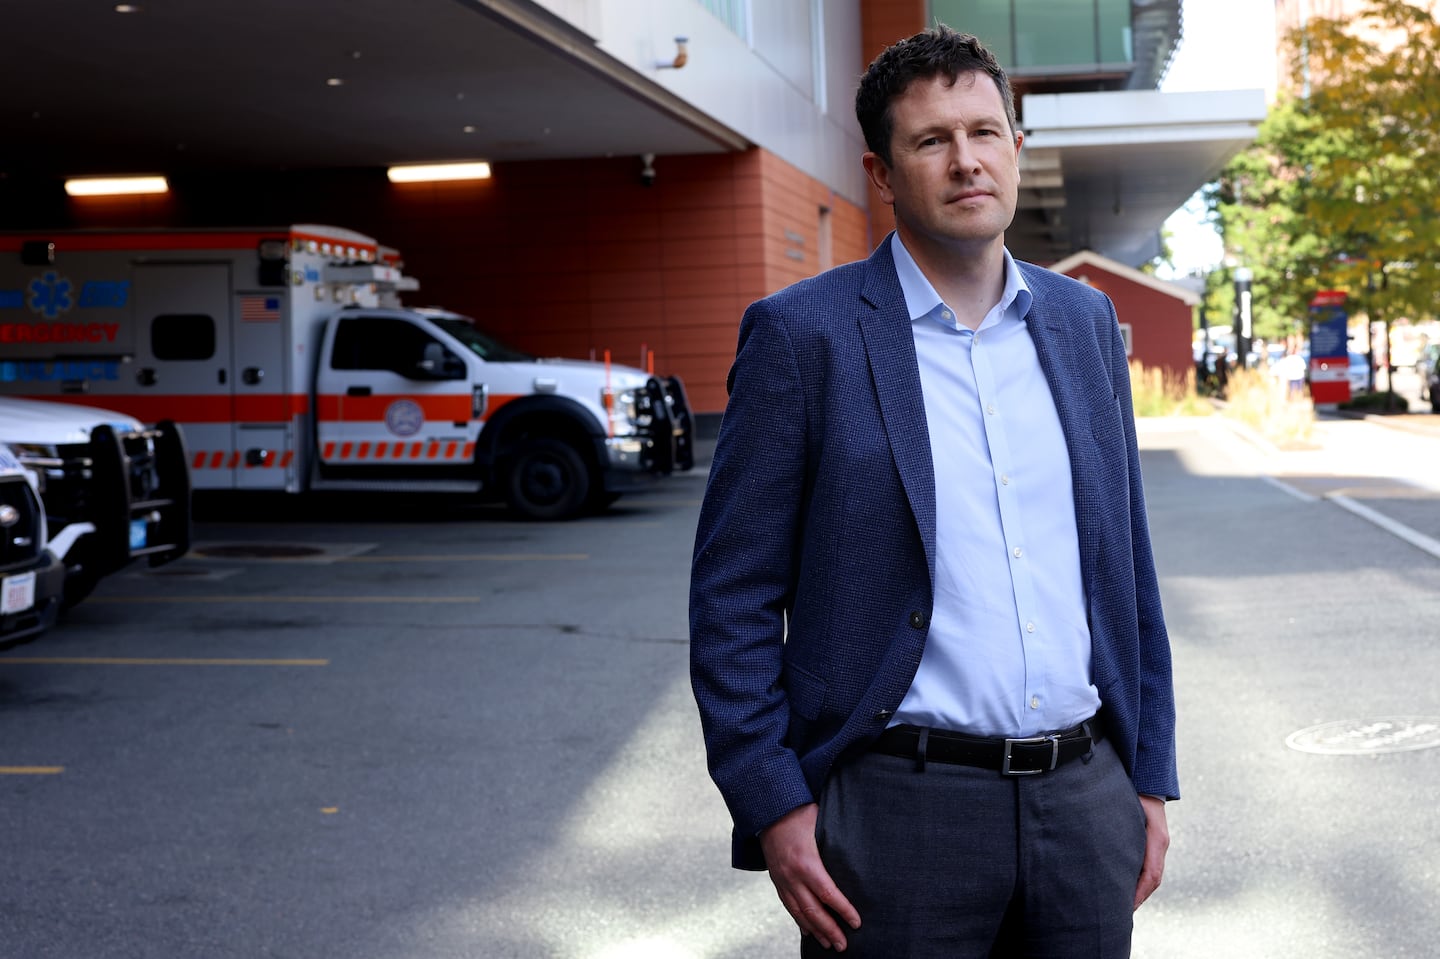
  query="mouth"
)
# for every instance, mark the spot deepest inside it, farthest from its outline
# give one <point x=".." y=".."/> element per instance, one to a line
<point x="964" y="195"/>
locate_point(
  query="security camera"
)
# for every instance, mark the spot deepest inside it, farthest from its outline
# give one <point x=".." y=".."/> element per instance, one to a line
<point x="647" y="171"/>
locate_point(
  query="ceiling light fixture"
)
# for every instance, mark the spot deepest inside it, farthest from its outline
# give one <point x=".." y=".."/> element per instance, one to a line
<point x="127" y="8"/>
<point x="427" y="172"/>
<point x="116" y="186"/>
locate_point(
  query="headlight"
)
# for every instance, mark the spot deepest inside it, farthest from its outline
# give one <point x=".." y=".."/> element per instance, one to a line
<point x="625" y="407"/>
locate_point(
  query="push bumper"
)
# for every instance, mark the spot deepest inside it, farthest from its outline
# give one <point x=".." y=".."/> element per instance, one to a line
<point x="665" y="444"/>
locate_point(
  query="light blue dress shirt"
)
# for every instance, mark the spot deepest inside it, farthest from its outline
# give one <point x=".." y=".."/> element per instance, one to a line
<point x="1008" y="652"/>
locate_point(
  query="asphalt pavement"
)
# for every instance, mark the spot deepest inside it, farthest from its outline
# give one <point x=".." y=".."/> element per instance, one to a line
<point x="410" y="728"/>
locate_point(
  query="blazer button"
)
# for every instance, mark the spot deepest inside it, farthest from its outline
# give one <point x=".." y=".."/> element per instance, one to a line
<point x="917" y="619"/>
<point x="883" y="715"/>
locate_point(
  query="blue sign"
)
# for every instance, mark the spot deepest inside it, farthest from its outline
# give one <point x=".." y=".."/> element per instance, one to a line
<point x="1328" y="337"/>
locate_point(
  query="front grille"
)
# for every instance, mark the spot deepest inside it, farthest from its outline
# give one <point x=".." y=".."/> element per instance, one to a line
<point x="20" y="542"/>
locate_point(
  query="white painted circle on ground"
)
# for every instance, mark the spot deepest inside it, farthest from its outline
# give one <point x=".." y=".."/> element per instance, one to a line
<point x="1363" y="737"/>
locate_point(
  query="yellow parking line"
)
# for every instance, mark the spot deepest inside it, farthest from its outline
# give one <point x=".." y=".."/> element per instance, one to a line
<point x="151" y="661"/>
<point x="95" y="600"/>
<point x="467" y="558"/>
<point x="31" y="770"/>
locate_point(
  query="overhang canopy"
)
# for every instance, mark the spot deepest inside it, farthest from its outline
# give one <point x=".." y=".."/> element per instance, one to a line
<point x="1102" y="171"/>
<point x="181" y="85"/>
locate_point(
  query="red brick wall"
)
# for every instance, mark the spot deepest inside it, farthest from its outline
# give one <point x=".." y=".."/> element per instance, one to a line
<point x="882" y="22"/>
<point x="560" y="258"/>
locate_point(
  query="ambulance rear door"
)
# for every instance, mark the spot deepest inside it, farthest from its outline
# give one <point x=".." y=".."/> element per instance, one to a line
<point x="263" y="404"/>
<point x="183" y="361"/>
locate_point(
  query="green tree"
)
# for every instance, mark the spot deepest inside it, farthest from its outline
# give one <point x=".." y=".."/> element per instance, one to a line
<point x="1342" y="188"/>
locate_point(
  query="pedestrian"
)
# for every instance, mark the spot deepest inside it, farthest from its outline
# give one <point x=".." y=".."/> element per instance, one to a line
<point x="926" y="633"/>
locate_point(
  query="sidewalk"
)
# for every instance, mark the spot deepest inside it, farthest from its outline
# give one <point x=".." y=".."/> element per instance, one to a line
<point x="1385" y="470"/>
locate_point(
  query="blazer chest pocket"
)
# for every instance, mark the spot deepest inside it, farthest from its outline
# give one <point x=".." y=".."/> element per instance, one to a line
<point x="805" y="690"/>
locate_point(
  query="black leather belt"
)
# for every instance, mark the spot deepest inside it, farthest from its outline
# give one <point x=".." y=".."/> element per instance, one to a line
<point x="1010" y="757"/>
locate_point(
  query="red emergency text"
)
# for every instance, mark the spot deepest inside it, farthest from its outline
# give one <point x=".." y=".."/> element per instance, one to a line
<point x="58" y="332"/>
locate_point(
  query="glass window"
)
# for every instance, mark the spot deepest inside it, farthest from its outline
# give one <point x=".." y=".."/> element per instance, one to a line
<point x="1116" y="39"/>
<point x="381" y="343"/>
<point x="1035" y="34"/>
<point x="987" y="19"/>
<point x="1054" y="33"/>
<point x="735" y="14"/>
<point x="182" y="336"/>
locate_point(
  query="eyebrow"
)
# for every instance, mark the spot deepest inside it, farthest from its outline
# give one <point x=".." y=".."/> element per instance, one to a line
<point x="946" y="128"/>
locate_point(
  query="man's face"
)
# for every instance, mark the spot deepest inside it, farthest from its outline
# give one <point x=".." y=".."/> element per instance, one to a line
<point x="956" y="165"/>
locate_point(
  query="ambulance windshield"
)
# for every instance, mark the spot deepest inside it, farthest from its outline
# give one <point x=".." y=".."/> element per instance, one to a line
<point x="481" y="344"/>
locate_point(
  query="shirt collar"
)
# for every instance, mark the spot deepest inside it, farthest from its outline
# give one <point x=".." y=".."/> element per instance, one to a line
<point x="921" y="299"/>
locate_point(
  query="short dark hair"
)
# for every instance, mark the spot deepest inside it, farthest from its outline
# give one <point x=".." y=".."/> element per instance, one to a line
<point x="936" y="52"/>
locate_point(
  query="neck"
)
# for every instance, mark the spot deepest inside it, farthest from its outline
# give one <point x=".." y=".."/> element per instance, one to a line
<point x="970" y="279"/>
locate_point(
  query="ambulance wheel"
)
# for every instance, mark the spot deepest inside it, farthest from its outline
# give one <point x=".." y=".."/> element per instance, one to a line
<point x="547" y="479"/>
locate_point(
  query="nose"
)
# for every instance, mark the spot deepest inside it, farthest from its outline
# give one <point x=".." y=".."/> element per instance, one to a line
<point x="963" y="159"/>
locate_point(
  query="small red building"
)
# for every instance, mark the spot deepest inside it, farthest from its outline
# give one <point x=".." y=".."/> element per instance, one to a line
<point x="1155" y="316"/>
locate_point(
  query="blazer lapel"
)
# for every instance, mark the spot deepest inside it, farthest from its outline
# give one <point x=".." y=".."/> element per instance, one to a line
<point x="1073" y="379"/>
<point x="890" y="347"/>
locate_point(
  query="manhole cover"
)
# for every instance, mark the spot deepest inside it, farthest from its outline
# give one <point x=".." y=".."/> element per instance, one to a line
<point x="259" y="551"/>
<point x="1359" y="737"/>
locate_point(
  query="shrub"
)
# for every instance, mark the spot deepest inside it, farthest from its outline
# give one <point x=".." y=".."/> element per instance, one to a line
<point x="1158" y="392"/>
<point x="1377" y="403"/>
<point x="1266" y="406"/>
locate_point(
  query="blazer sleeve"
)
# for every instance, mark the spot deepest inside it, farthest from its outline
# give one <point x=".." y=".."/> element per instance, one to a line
<point x="1154" y="771"/>
<point x="743" y="579"/>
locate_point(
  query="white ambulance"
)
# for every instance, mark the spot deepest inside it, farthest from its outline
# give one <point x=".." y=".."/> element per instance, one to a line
<point x="286" y="357"/>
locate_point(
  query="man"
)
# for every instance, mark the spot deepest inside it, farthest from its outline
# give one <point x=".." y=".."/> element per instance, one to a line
<point x="927" y="640"/>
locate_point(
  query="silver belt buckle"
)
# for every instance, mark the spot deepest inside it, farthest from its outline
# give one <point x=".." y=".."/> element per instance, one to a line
<point x="1054" y="742"/>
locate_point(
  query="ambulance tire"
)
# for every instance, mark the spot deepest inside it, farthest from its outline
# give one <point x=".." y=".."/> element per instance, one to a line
<point x="547" y="479"/>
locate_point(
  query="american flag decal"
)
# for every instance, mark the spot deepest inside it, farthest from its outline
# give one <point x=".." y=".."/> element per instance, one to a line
<point x="260" y="309"/>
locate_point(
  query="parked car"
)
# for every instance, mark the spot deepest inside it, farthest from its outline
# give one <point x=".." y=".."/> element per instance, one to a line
<point x="113" y="490"/>
<point x="1431" y="384"/>
<point x="1359" y="374"/>
<point x="32" y="575"/>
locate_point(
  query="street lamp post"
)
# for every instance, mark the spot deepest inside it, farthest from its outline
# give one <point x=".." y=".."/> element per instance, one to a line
<point x="1243" y="276"/>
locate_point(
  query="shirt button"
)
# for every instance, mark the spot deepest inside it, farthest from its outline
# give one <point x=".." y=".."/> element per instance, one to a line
<point x="947" y="314"/>
<point x="1034" y="702"/>
<point x="990" y="408"/>
<point x="1004" y="479"/>
<point x="1018" y="552"/>
<point x="917" y="619"/>
<point x="1029" y="627"/>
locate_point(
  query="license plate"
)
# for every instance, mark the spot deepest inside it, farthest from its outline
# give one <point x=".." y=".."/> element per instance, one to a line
<point x="138" y="536"/>
<point x="17" y="593"/>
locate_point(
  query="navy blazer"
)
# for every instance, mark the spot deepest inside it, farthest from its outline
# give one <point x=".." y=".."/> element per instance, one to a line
<point x="812" y="582"/>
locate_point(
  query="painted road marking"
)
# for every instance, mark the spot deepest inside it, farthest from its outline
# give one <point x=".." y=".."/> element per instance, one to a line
<point x="1285" y="487"/>
<point x="151" y="661"/>
<point x="31" y="770"/>
<point x="1414" y="537"/>
<point x="469" y="558"/>
<point x="143" y="600"/>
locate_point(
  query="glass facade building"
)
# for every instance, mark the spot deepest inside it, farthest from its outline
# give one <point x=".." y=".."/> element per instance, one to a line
<point x="1049" y="38"/>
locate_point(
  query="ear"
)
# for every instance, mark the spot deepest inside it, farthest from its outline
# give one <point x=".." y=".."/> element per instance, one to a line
<point x="879" y="173"/>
